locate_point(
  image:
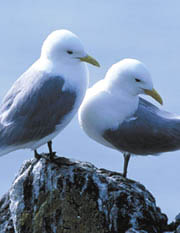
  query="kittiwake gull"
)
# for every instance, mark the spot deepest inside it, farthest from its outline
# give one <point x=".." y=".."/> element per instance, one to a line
<point x="114" y="115"/>
<point x="46" y="97"/>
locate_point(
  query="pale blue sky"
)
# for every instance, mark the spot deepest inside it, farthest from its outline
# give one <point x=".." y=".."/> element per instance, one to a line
<point x="110" y="31"/>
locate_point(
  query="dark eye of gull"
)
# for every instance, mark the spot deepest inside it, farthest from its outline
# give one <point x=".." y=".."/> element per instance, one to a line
<point x="69" y="52"/>
<point x="137" y="80"/>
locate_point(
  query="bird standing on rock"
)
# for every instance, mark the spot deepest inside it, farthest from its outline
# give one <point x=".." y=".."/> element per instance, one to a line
<point x="113" y="114"/>
<point x="46" y="97"/>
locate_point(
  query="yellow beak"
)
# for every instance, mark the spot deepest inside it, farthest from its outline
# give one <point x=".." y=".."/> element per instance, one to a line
<point x="90" y="60"/>
<point x="154" y="94"/>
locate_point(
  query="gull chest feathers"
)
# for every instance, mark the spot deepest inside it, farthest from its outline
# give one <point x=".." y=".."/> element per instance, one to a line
<point x="96" y="113"/>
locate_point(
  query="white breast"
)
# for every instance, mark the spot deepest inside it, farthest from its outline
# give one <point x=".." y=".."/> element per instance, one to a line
<point x="102" y="110"/>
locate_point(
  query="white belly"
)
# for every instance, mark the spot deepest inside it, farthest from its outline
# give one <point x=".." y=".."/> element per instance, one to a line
<point x="93" y="119"/>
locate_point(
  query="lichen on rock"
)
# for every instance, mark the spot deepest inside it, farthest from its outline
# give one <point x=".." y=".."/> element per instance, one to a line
<point x="68" y="196"/>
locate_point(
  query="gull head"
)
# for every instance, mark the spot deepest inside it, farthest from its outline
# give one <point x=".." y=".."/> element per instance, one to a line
<point x="131" y="76"/>
<point x="64" y="46"/>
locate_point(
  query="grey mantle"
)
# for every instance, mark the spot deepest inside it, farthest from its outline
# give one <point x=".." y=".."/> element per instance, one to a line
<point x="69" y="196"/>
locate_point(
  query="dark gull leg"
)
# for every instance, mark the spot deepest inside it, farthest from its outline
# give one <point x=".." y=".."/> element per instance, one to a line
<point x="126" y="161"/>
<point x="36" y="155"/>
<point x="50" y="156"/>
<point x="51" y="153"/>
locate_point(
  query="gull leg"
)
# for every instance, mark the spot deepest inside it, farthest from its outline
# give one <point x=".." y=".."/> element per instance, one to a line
<point x="126" y="161"/>
<point x="51" y="153"/>
<point x="49" y="156"/>
<point x="36" y="155"/>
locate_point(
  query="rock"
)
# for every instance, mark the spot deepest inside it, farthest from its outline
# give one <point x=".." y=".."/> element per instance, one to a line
<point x="68" y="196"/>
<point x="178" y="218"/>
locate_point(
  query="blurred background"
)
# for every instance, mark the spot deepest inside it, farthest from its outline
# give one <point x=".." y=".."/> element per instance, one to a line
<point x="110" y="31"/>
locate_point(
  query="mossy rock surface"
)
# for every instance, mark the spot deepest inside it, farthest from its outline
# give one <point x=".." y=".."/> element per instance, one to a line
<point x="75" y="197"/>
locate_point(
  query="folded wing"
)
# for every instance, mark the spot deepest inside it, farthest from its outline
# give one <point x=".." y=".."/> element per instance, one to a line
<point x="149" y="131"/>
<point x="33" y="107"/>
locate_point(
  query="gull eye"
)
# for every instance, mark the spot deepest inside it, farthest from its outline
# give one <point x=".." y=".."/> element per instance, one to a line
<point x="69" y="52"/>
<point x="137" y="80"/>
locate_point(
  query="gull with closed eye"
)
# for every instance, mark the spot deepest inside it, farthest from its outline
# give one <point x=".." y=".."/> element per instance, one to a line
<point x="114" y="115"/>
<point x="46" y="97"/>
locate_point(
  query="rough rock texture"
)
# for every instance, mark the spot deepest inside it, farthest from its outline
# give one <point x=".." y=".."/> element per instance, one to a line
<point x="68" y="196"/>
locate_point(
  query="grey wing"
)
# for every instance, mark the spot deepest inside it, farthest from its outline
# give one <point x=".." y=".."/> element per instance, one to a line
<point x="33" y="107"/>
<point x="149" y="131"/>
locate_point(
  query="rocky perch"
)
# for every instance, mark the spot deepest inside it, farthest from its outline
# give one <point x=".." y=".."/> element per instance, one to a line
<point x="69" y="196"/>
